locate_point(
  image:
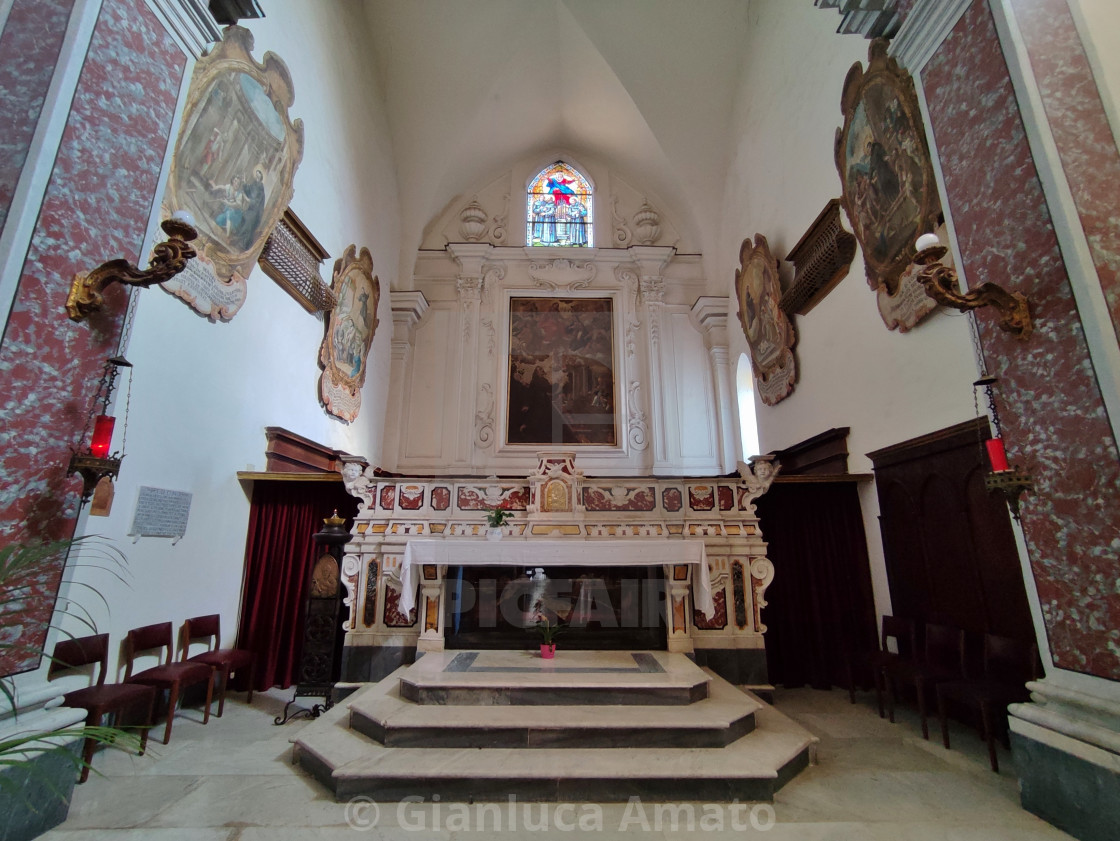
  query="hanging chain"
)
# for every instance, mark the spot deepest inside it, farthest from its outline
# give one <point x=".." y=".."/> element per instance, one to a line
<point x="977" y="347"/>
<point x="982" y="369"/>
<point x="129" y="317"/>
<point x="87" y="430"/>
<point x="122" y="348"/>
<point x="127" y="404"/>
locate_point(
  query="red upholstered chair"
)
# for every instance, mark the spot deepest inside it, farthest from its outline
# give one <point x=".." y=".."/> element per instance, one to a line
<point x="101" y="698"/>
<point x="1008" y="665"/>
<point x="942" y="660"/>
<point x="223" y="660"/>
<point x="174" y="677"/>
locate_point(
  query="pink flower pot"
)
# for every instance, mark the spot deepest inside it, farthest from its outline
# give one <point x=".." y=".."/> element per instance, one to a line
<point x="548" y="651"/>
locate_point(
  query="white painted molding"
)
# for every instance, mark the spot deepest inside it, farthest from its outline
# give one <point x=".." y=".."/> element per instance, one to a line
<point x="710" y="313"/>
<point x="189" y="22"/>
<point x="5" y="10"/>
<point x="925" y="27"/>
<point x="1057" y="739"/>
<point x="408" y="307"/>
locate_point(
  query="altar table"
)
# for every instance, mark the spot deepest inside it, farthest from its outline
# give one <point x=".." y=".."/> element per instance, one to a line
<point x="521" y="552"/>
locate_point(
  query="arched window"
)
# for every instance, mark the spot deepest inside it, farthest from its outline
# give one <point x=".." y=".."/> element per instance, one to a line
<point x="558" y="208"/>
<point x="748" y="425"/>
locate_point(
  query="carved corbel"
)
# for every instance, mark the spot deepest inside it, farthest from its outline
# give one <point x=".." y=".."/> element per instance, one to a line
<point x="762" y="575"/>
<point x="351" y="571"/>
<point x="358" y="478"/>
<point x="758" y="475"/>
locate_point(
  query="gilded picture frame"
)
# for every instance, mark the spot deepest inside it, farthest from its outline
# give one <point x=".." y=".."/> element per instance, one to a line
<point x="561" y="387"/>
<point x="349" y="332"/>
<point x="233" y="168"/>
<point x="888" y="187"/>
<point x="770" y="334"/>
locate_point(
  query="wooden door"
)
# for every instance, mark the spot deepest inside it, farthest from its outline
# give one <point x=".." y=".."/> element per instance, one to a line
<point x="949" y="545"/>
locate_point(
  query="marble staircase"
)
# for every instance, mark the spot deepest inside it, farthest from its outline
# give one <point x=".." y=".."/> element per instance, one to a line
<point x="589" y="725"/>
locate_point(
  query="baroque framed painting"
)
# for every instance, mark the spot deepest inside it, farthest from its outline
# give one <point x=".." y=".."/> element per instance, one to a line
<point x="350" y="327"/>
<point x="233" y="167"/>
<point x="562" y="384"/>
<point x="888" y="186"/>
<point x="770" y="334"/>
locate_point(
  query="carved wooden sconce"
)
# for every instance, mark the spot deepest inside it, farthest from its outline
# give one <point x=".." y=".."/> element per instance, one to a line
<point x="940" y="283"/>
<point x="168" y="259"/>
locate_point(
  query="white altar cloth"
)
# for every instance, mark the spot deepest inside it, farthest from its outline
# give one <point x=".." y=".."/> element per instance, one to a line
<point x="513" y="551"/>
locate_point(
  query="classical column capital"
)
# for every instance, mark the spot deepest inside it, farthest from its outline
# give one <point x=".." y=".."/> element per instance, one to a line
<point x="651" y="259"/>
<point x="470" y="256"/>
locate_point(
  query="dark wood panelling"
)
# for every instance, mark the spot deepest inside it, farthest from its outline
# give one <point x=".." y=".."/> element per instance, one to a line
<point x="949" y="546"/>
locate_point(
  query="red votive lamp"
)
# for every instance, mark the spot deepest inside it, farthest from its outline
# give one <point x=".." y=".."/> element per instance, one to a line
<point x="102" y="435"/>
<point x="997" y="455"/>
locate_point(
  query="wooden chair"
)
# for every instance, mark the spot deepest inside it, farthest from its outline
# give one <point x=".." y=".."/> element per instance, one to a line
<point x="223" y="660"/>
<point x="1008" y="665"/>
<point x="942" y="660"/>
<point x="894" y="628"/>
<point x="174" y="677"/>
<point x="101" y="698"/>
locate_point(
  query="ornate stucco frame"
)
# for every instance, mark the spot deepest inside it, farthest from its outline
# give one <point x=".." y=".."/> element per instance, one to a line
<point x="770" y="334"/>
<point x="880" y="163"/>
<point x="218" y="290"/>
<point x="341" y="391"/>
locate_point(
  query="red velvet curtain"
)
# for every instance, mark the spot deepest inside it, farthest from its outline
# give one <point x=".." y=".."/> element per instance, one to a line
<point x="279" y="555"/>
<point x="821" y="601"/>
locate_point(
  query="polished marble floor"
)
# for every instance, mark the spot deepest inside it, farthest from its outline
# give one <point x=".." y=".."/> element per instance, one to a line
<point x="232" y="780"/>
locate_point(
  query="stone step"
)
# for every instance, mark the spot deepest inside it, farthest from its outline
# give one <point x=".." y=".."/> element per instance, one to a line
<point x="723" y="717"/>
<point x="523" y="678"/>
<point x="753" y="767"/>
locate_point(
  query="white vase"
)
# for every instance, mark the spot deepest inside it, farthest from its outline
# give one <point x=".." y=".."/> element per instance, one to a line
<point x="493" y="533"/>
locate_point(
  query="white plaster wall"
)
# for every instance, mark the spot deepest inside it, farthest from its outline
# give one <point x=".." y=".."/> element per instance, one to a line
<point x="204" y="392"/>
<point x="886" y="386"/>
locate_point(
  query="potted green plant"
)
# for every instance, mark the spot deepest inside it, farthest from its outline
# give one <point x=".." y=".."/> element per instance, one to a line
<point x="38" y="764"/>
<point x="548" y="631"/>
<point x="495" y="519"/>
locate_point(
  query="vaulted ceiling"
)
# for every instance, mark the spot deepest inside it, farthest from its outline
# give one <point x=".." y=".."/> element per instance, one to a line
<point x="647" y="86"/>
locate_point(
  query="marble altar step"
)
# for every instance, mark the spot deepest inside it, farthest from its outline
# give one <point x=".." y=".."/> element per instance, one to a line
<point x="385" y="716"/>
<point x="350" y="763"/>
<point x="523" y="678"/>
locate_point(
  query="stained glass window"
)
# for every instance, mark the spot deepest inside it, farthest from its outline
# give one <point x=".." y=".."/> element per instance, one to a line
<point x="559" y="210"/>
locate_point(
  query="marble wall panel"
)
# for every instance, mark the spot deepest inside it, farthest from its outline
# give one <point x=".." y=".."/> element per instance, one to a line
<point x="30" y="45"/>
<point x="1051" y="406"/>
<point x="96" y="207"/>
<point x="1082" y="133"/>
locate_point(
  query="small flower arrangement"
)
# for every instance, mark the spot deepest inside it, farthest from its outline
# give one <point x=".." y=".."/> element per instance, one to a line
<point x="497" y="517"/>
<point x="548" y="630"/>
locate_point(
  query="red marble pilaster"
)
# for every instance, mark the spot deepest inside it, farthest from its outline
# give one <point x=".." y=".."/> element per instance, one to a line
<point x="1051" y="405"/>
<point x="96" y="207"/>
<point x="30" y="44"/>
<point x="1077" y="119"/>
